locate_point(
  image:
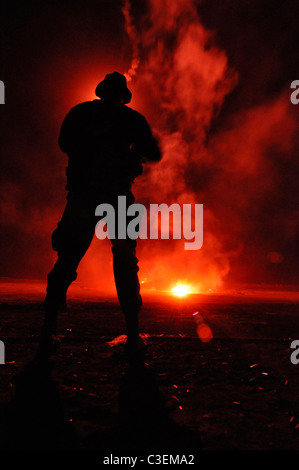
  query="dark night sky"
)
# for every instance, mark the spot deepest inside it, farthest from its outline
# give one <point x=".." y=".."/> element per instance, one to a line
<point x="53" y="55"/>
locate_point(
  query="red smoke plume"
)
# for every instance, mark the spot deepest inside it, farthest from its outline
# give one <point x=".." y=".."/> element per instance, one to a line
<point x="186" y="78"/>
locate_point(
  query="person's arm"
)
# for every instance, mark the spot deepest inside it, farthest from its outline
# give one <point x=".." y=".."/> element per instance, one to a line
<point x="66" y="133"/>
<point x="72" y="137"/>
<point x="146" y="144"/>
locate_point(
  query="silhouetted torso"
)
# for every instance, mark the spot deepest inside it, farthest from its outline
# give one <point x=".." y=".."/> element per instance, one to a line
<point x="106" y="143"/>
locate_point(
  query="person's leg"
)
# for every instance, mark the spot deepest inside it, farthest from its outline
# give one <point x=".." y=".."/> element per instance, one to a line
<point x="125" y="266"/>
<point x="71" y="240"/>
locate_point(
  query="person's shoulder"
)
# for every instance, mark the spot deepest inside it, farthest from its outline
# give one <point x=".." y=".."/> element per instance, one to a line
<point x="80" y="111"/>
<point x="85" y="105"/>
<point x="133" y="114"/>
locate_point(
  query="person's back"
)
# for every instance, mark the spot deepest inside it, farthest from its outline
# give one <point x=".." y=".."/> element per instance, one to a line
<point x="106" y="143"/>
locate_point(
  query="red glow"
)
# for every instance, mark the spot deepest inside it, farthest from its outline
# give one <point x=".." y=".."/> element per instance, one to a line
<point x="228" y="141"/>
<point x="186" y="91"/>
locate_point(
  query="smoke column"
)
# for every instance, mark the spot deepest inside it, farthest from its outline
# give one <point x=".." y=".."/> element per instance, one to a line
<point x="183" y="79"/>
<point x="186" y="78"/>
<point x="132" y="34"/>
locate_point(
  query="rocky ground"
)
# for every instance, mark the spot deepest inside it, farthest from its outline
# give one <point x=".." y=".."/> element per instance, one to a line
<point x="237" y="391"/>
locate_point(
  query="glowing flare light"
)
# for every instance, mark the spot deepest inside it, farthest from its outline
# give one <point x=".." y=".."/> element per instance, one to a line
<point x="181" y="290"/>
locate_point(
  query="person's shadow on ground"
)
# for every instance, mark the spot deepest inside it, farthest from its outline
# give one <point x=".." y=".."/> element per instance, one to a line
<point x="143" y="421"/>
<point x="34" y="419"/>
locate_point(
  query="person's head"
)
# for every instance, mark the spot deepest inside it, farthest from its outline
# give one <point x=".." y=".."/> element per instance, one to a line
<point x="114" y="88"/>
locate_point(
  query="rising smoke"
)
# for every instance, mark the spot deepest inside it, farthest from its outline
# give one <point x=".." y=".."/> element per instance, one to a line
<point x="236" y="173"/>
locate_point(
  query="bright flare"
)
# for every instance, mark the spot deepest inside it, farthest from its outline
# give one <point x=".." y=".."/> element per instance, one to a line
<point x="181" y="290"/>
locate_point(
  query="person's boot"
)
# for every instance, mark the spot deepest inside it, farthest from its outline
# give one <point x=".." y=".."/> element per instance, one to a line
<point x="55" y="302"/>
<point x="49" y="341"/>
<point x="135" y="349"/>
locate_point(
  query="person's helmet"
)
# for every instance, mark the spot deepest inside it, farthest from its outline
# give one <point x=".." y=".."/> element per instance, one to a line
<point x="114" y="85"/>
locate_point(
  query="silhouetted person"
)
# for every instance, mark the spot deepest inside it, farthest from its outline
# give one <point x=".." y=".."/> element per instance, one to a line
<point x="106" y="143"/>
